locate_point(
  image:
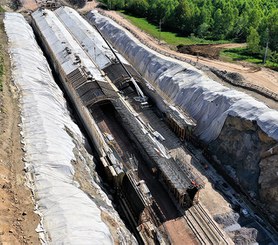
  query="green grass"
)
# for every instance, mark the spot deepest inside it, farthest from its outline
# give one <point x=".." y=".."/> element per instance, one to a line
<point x="1" y="9"/>
<point x="241" y="54"/>
<point x="168" y="37"/>
<point x="230" y="55"/>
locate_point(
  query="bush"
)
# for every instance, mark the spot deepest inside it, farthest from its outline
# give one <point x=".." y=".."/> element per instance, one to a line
<point x="273" y="56"/>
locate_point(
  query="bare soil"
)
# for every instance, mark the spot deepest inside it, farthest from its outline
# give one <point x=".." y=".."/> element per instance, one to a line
<point x="207" y="50"/>
<point x="180" y="232"/>
<point x="17" y="218"/>
<point x="88" y="6"/>
<point x="28" y="5"/>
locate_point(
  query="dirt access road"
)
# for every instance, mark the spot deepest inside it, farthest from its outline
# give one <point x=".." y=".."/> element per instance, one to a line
<point x="263" y="77"/>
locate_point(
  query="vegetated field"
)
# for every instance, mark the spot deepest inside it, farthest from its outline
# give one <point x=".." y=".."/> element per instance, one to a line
<point x="241" y="54"/>
<point x="173" y="39"/>
<point x="167" y="37"/>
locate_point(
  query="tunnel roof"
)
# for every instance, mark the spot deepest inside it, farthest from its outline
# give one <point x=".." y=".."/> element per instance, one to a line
<point x="89" y="82"/>
<point x="88" y="37"/>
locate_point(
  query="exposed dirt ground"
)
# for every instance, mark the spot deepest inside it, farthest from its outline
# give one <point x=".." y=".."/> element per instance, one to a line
<point x="17" y="219"/>
<point x="28" y="5"/>
<point x="208" y="50"/>
<point x="88" y="6"/>
<point x="179" y="232"/>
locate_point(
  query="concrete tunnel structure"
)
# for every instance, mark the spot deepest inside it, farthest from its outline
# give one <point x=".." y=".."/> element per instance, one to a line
<point x="91" y="93"/>
<point x="92" y="76"/>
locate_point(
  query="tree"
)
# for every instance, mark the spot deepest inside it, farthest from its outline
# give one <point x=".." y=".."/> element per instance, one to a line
<point x="205" y="15"/>
<point x="253" y="40"/>
<point x="161" y="10"/>
<point x="273" y="56"/>
<point x="114" y="4"/>
<point x="202" y="30"/>
<point x="255" y="17"/>
<point x="184" y="16"/>
<point x="272" y="23"/>
<point x="240" y="30"/>
<point x="229" y="14"/>
<point x="138" y="7"/>
<point x="242" y="20"/>
<point x="218" y="31"/>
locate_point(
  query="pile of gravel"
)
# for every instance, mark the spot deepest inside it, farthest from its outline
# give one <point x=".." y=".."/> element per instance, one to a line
<point x="245" y="236"/>
<point x="240" y="235"/>
<point x="235" y="76"/>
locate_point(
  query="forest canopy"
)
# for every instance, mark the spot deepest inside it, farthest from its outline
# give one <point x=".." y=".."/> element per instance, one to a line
<point x="254" y="21"/>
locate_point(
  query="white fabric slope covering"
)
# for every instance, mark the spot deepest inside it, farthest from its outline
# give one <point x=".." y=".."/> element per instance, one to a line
<point x="69" y="216"/>
<point x="207" y="101"/>
<point x="87" y="36"/>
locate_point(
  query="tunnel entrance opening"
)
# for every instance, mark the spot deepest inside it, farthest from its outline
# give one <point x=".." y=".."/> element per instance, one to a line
<point x="105" y="116"/>
<point x="126" y="149"/>
<point x="193" y="195"/>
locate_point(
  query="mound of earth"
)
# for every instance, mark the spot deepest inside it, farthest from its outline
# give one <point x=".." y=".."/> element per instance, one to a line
<point x="205" y="50"/>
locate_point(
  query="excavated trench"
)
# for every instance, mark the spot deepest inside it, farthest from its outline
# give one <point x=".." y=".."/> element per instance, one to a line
<point x="130" y="153"/>
<point x="234" y="130"/>
<point x="126" y="147"/>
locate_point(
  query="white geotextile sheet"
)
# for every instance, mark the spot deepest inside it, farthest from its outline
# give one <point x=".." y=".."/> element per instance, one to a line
<point x="207" y="101"/>
<point x="87" y="36"/>
<point x="68" y="215"/>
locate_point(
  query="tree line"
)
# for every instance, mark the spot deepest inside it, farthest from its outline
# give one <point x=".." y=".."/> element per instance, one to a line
<point x="254" y="21"/>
